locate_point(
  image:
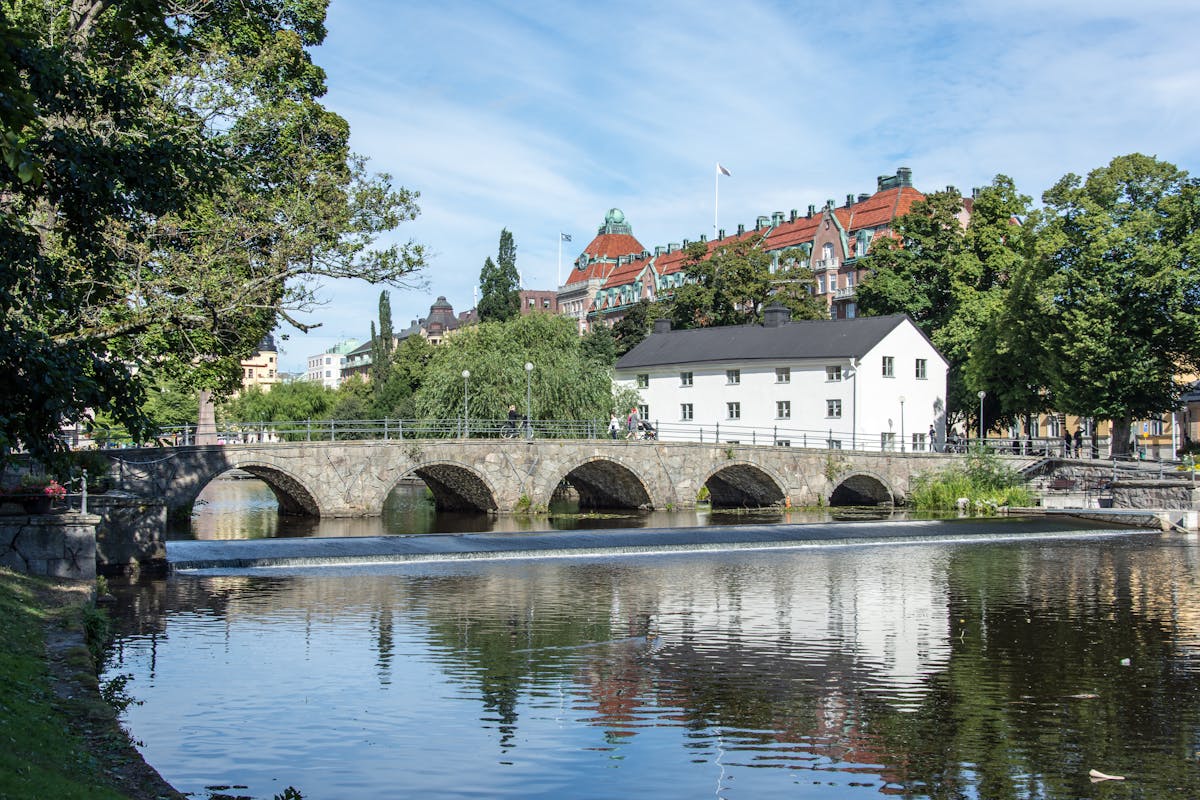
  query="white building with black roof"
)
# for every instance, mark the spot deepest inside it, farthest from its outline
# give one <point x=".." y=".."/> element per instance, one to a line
<point x="868" y="383"/>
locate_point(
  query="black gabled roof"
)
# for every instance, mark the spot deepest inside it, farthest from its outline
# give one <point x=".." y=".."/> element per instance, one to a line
<point x="822" y="338"/>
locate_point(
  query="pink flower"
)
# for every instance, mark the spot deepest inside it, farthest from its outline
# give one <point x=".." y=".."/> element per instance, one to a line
<point x="55" y="490"/>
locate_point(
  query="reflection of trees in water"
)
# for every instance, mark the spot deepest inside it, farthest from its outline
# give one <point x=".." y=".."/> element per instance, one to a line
<point x="991" y="671"/>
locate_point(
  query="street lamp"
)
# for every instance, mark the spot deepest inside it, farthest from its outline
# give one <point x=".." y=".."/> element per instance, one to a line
<point x="528" y="406"/>
<point x="466" y="373"/>
<point x="901" y="423"/>
<point x="982" y="394"/>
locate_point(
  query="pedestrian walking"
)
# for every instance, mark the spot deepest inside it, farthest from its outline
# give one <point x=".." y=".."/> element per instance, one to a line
<point x="1079" y="442"/>
<point x="1066" y="442"/>
<point x="932" y="439"/>
<point x="632" y="423"/>
<point x="614" y="425"/>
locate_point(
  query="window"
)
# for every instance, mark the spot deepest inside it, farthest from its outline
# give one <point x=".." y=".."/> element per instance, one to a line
<point x="643" y="380"/>
<point x="850" y="310"/>
<point x="733" y="410"/>
<point x="887" y="441"/>
<point x="889" y="367"/>
<point x="827" y="251"/>
<point x="546" y="303"/>
<point x="644" y="411"/>
<point x="833" y="444"/>
<point x="918" y="442"/>
<point x="685" y="412"/>
<point x="783" y="409"/>
<point x="532" y="302"/>
<point x="783" y="374"/>
<point x="733" y="376"/>
<point x="685" y="379"/>
<point x="833" y="409"/>
<point x="783" y="442"/>
<point x="328" y="373"/>
<point x="328" y="360"/>
<point x="922" y="374"/>
<point x="820" y="284"/>
<point x="833" y="374"/>
<point x="849" y="280"/>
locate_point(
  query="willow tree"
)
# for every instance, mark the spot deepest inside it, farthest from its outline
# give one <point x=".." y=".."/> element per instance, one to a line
<point x="171" y="188"/>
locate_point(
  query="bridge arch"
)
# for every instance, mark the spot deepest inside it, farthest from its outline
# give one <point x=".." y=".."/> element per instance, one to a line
<point x="456" y="487"/>
<point x="862" y="489"/>
<point x="605" y="483"/>
<point x="293" y="497"/>
<point x="743" y="485"/>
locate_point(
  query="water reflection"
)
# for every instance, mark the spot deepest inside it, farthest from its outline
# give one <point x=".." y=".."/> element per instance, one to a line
<point x="245" y="508"/>
<point x="998" y="671"/>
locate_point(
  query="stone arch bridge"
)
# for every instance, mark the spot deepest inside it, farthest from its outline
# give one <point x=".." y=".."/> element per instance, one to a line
<point x="354" y="478"/>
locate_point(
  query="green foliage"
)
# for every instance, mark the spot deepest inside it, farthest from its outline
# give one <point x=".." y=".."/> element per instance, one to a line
<point x="168" y="404"/>
<point x="383" y="344"/>
<point x="499" y="283"/>
<point x="600" y="346"/>
<point x="298" y="400"/>
<point x="1114" y="294"/>
<point x="951" y="281"/>
<point x="983" y="478"/>
<point x="727" y="287"/>
<point x="172" y="188"/>
<point x="565" y="384"/>
<point x="630" y="330"/>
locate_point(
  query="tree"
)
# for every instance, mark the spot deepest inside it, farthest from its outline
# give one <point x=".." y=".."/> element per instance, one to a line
<point x="631" y="329"/>
<point x="1111" y="303"/>
<point x="285" y="402"/>
<point x="382" y="344"/>
<point x="171" y="187"/>
<point x="727" y="288"/>
<point x="499" y="283"/>
<point x="950" y="280"/>
<point x="565" y="384"/>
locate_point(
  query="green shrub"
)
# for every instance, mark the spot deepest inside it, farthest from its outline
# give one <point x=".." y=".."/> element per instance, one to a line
<point x="982" y="478"/>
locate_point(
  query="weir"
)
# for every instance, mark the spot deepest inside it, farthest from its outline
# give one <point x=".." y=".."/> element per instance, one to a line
<point x="310" y="553"/>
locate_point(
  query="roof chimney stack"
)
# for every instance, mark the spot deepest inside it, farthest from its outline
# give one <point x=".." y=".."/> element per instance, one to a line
<point x="662" y="325"/>
<point x="776" y="315"/>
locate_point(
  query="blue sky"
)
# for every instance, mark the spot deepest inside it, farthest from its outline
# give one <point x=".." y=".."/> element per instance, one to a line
<point x="539" y="117"/>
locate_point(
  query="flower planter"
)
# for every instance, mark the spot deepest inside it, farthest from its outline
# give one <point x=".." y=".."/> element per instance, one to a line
<point x="37" y="504"/>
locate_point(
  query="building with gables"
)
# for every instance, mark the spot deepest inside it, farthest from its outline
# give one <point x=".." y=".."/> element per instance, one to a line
<point x="869" y="383"/>
<point x="615" y="270"/>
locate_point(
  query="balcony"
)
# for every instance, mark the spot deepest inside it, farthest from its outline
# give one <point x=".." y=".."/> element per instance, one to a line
<point x="845" y="293"/>
<point x="827" y="263"/>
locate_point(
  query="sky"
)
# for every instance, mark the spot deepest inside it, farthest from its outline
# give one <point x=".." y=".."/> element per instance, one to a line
<point x="539" y="117"/>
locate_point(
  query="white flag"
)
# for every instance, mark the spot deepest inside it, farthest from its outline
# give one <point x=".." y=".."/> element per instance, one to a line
<point x="722" y="170"/>
<point x="566" y="237"/>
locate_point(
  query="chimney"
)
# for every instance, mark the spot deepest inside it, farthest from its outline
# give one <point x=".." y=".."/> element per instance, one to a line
<point x="662" y="325"/>
<point x="849" y="200"/>
<point x="720" y="234"/>
<point x="741" y="228"/>
<point x="975" y="190"/>
<point x="880" y="181"/>
<point x="951" y="189"/>
<point x="776" y="315"/>
<point x="703" y="238"/>
<point x="863" y="197"/>
<point x="685" y="244"/>
<point x="794" y="215"/>
<point x="777" y="218"/>
<point x="659" y="249"/>
<point x="905" y="176"/>
<point x="811" y="210"/>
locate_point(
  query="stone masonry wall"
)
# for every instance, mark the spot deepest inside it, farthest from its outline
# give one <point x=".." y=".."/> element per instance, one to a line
<point x="53" y="545"/>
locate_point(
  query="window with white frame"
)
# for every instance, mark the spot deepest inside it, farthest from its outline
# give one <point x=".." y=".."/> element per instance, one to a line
<point x="833" y="444"/>
<point x="644" y="411"/>
<point x="783" y="374"/>
<point x="922" y="369"/>
<point x="887" y="440"/>
<point x="685" y="379"/>
<point x="783" y="409"/>
<point x="820" y="284"/>
<point x="889" y="367"/>
<point x="918" y="442"/>
<point x="733" y="376"/>
<point x="833" y="409"/>
<point x="833" y="374"/>
<point x="733" y="410"/>
<point x="783" y="442"/>
<point x="643" y="380"/>
<point x="685" y="412"/>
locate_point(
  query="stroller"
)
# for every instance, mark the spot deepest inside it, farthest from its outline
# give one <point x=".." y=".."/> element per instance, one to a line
<point x="647" y="430"/>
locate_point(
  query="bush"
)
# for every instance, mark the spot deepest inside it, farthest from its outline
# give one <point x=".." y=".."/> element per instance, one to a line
<point x="982" y="478"/>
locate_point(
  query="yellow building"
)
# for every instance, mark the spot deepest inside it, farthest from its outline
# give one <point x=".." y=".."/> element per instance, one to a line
<point x="262" y="368"/>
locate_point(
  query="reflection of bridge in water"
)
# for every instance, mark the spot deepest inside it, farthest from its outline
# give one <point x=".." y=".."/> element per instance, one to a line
<point x="342" y="479"/>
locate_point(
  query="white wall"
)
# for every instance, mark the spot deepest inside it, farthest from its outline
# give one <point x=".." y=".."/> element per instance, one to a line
<point x="868" y="399"/>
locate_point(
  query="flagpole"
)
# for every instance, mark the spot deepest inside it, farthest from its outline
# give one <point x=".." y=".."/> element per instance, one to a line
<point x="559" y="276"/>
<point x="716" y="197"/>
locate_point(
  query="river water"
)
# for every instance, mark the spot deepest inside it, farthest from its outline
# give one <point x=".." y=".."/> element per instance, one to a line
<point x="990" y="668"/>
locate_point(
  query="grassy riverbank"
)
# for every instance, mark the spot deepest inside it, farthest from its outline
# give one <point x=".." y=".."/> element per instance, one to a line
<point x="982" y="479"/>
<point x="58" y="738"/>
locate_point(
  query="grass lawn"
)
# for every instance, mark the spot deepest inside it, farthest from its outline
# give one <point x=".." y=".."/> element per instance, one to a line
<point x="57" y="737"/>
